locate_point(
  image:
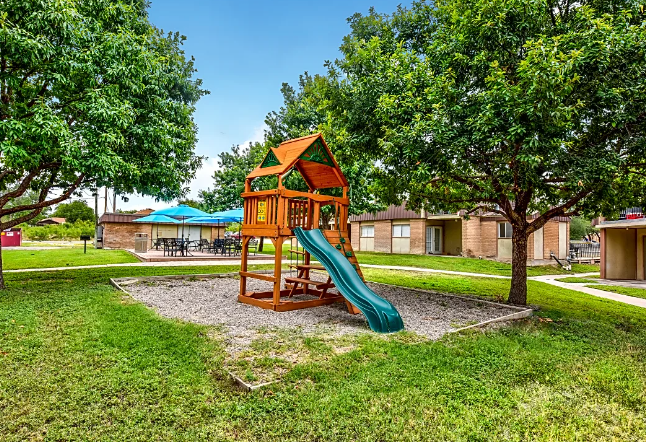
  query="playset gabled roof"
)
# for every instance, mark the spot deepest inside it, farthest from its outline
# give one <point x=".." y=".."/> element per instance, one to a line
<point x="312" y="158"/>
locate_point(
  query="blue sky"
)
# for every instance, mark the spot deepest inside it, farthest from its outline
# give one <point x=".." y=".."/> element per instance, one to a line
<point x="244" y="51"/>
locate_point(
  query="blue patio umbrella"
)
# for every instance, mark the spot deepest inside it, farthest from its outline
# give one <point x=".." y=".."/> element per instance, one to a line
<point x="182" y="212"/>
<point x="156" y="218"/>
<point x="234" y="215"/>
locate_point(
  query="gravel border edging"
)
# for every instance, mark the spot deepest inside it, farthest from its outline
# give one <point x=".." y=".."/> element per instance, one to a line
<point x="523" y="312"/>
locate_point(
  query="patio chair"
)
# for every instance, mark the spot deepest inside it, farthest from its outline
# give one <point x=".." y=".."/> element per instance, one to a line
<point x="218" y="246"/>
<point x="170" y="247"/>
<point x="253" y="246"/>
<point x="229" y="247"/>
<point x="157" y="243"/>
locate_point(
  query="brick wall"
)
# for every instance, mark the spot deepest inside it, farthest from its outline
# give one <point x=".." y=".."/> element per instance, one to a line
<point x="214" y="232"/>
<point x="550" y="239"/>
<point x="417" y="236"/>
<point x="479" y="237"/>
<point x="355" y="235"/>
<point x="122" y="235"/>
<point x="530" y="247"/>
<point x="383" y="236"/>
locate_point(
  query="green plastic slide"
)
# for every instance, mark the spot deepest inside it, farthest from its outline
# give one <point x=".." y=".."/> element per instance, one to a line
<point x="382" y="316"/>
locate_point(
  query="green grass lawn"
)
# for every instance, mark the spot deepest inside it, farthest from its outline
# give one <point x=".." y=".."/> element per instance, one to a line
<point x="630" y="291"/>
<point x="459" y="264"/>
<point x="80" y="361"/>
<point x="577" y="280"/>
<point x="63" y="257"/>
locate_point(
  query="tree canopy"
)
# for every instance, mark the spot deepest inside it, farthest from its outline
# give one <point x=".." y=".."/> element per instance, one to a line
<point x="509" y="107"/>
<point x="304" y="112"/>
<point x="74" y="211"/>
<point x="92" y="94"/>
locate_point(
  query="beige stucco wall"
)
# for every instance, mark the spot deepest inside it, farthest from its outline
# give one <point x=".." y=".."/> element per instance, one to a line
<point x="504" y="248"/>
<point x="639" y="253"/>
<point x="452" y="237"/>
<point x="621" y="253"/>
<point x="537" y="244"/>
<point x="563" y="240"/>
<point x="367" y="244"/>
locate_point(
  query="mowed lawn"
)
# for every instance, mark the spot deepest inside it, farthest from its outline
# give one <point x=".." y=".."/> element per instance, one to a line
<point x="459" y="264"/>
<point x="81" y="361"/>
<point x="450" y="263"/>
<point x="630" y="291"/>
<point x="63" y="257"/>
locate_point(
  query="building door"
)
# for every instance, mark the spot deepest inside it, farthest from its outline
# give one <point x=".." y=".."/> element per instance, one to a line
<point x="434" y="240"/>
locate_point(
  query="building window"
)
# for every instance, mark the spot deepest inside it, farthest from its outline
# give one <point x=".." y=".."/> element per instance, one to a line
<point x="367" y="231"/>
<point x="401" y="230"/>
<point x="504" y="230"/>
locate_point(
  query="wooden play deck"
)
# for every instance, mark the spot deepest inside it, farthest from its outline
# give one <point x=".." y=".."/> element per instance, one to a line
<point x="275" y="213"/>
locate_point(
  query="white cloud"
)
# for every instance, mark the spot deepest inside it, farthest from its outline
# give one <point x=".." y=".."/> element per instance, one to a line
<point x="258" y="135"/>
<point x="203" y="177"/>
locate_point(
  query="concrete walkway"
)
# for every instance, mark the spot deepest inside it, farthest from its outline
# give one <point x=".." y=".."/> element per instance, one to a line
<point x="581" y="287"/>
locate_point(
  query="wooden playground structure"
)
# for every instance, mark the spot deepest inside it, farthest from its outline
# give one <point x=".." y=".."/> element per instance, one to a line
<point x="275" y="213"/>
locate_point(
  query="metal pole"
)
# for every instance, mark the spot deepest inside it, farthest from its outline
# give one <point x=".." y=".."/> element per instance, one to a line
<point x="85" y="246"/>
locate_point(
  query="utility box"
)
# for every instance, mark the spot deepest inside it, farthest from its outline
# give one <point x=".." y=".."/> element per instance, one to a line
<point x="98" y="237"/>
<point x="11" y="237"/>
<point x="141" y="242"/>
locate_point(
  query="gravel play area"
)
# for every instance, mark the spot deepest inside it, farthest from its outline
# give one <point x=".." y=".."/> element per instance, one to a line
<point x="213" y="301"/>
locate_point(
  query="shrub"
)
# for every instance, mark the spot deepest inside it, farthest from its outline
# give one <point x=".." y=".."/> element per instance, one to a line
<point x="66" y="231"/>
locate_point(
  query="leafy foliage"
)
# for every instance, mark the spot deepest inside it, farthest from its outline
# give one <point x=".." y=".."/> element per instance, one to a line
<point x="92" y="94"/>
<point x="74" y="211"/>
<point x="510" y="107"/>
<point x="303" y="113"/>
<point x="67" y="231"/>
<point x="29" y="198"/>
<point x="580" y="228"/>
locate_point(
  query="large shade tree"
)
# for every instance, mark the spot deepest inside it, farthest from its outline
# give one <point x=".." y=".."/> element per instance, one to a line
<point x="529" y="109"/>
<point x="74" y="211"/>
<point x="91" y="94"/>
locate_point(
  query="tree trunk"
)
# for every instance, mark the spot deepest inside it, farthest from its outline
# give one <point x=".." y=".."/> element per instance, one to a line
<point x="2" y="284"/>
<point x="261" y="244"/>
<point x="518" y="290"/>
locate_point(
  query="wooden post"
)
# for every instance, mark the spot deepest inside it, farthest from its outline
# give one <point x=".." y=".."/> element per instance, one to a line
<point x="316" y="215"/>
<point x="243" y="264"/>
<point x="278" y="266"/>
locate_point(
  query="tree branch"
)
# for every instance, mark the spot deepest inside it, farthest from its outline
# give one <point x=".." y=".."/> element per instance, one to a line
<point x="24" y="184"/>
<point x="557" y="211"/>
<point x="43" y="204"/>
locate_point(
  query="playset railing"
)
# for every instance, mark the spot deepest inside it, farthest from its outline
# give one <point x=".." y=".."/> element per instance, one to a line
<point x="278" y="211"/>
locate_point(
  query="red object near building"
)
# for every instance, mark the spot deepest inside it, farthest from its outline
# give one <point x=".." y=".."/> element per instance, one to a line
<point x="11" y="237"/>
